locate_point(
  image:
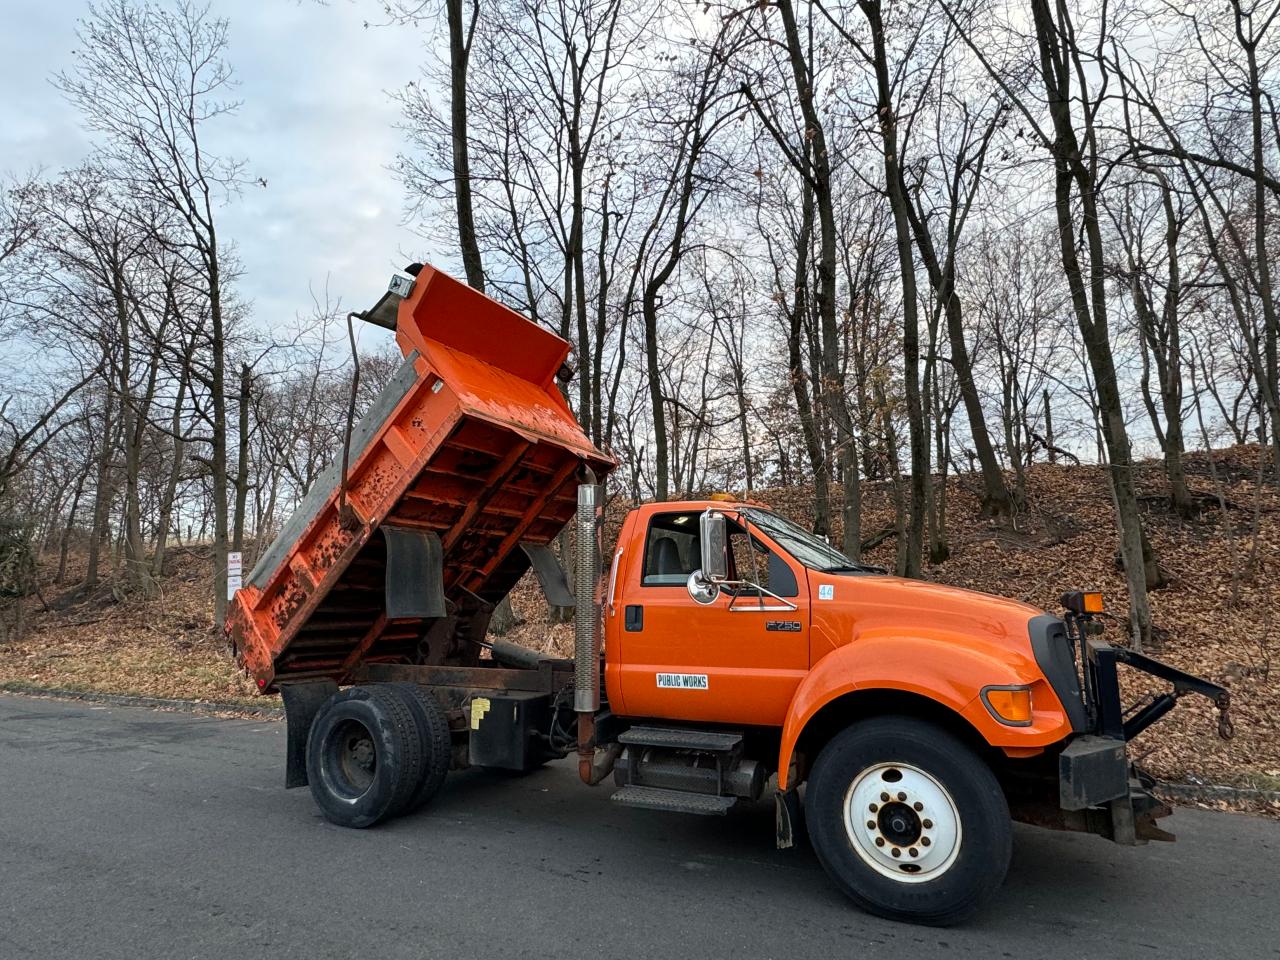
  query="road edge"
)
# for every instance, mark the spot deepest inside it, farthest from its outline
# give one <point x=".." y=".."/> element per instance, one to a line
<point x="1215" y="792"/>
<point x="132" y="700"/>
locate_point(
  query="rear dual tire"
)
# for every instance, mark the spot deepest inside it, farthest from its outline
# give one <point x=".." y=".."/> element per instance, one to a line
<point x="376" y="752"/>
<point x="908" y="821"/>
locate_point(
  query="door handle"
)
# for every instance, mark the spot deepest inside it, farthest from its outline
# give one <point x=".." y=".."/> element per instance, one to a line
<point x="633" y="617"/>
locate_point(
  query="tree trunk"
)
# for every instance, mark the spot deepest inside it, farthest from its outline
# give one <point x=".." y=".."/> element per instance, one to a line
<point x="898" y="203"/>
<point x="653" y="371"/>
<point x="851" y="515"/>
<point x="819" y="175"/>
<point x="170" y="493"/>
<point x="137" y="574"/>
<point x="1048" y="429"/>
<point x="996" y="500"/>
<point x="102" y="495"/>
<point x="504" y="618"/>
<point x="1088" y="300"/>
<point x="218" y="454"/>
<point x="939" y="546"/>
<point x="799" y="376"/>
<point x="64" y="541"/>
<point x="459" y="55"/>
<point x="242" y="459"/>
<point x="1262" y="256"/>
<point x="744" y="434"/>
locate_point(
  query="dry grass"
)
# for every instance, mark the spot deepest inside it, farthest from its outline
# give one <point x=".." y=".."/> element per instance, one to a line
<point x="164" y="647"/>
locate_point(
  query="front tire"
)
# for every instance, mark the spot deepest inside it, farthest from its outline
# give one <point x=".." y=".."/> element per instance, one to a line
<point x="908" y="821"/>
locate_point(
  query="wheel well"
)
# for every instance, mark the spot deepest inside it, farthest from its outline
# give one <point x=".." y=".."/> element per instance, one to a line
<point x="861" y="704"/>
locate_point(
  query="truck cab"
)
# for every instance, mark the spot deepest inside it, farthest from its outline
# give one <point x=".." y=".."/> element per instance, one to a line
<point x="791" y="626"/>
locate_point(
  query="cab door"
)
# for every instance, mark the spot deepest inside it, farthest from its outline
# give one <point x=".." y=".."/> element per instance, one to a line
<point x="735" y="660"/>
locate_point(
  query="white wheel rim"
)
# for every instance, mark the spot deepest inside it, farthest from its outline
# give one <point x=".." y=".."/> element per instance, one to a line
<point x="902" y="822"/>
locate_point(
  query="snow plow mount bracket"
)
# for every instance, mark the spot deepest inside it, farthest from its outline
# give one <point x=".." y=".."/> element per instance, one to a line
<point x="1104" y="691"/>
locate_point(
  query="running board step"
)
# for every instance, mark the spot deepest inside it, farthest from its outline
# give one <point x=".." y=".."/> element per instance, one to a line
<point x="674" y="801"/>
<point x="681" y="738"/>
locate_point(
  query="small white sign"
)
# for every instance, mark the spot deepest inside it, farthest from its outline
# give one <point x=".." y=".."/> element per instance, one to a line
<point x="235" y="573"/>
<point x="683" y="681"/>
<point x="826" y="591"/>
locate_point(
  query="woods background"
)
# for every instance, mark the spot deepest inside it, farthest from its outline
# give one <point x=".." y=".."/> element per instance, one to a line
<point x="834" y="245"/>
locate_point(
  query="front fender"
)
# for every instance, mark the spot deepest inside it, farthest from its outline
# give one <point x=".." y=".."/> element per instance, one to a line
<point x="950" y="673"/>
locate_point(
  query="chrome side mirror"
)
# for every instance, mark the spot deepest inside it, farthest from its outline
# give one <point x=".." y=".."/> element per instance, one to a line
<point x="702" y="590"/>
<point x="715" y="546"/>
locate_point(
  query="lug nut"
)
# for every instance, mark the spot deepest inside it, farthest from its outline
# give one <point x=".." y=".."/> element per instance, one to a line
<point x="902" y="796"/>
<point x="928" y="824"/>
<point x="879" y="841"/>
<point x="871" y="824"/>
<point x="897" y="852"/>
<point x="925" y="841"/>
<point x="884" y="797"/>
<point x="875" y="807"/>
<point x="914" y="852"/>
<point x="918" y="806"/>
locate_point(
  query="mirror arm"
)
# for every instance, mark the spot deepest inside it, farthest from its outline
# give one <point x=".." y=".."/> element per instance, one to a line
<point x="787" y="604"/>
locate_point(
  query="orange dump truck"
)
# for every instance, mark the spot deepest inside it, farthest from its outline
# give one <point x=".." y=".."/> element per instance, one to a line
<point x="724" y="649"/>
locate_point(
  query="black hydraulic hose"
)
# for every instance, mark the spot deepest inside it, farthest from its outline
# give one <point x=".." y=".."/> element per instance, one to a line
<point x="346" y="515"/>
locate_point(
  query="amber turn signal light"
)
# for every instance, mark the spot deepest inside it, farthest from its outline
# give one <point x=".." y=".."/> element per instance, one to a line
<point x="1009" y="705"/>
<point x="1083" y="602"/>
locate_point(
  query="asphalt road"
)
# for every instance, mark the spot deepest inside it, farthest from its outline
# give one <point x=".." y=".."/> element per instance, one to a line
<point x="133" y="834"/>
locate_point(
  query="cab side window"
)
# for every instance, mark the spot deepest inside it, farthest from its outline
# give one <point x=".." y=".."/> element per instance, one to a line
<point x="672" y="550"/>
<point x="752" y="561"/>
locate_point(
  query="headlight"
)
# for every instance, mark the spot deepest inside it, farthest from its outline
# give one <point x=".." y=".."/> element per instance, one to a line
<point x="1010" y="705"/>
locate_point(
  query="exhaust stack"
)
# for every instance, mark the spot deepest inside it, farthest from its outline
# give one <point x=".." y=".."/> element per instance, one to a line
<point x="586" y="617"/>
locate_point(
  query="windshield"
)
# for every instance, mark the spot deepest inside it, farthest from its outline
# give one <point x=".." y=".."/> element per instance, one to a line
<point x="811" y="550"/>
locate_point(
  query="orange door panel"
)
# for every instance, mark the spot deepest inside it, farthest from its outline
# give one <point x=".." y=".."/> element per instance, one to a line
<point x="681" y="660"/>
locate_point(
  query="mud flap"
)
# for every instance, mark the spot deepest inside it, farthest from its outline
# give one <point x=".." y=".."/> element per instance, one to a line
<point x="786" y="817"/>
<point x="415" y="574"/>
<point x="302" y="701"/>
<point x="551" y="576"/>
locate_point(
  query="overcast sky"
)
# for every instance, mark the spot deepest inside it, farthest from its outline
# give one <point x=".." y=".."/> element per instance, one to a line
<point x="316" y="123"/>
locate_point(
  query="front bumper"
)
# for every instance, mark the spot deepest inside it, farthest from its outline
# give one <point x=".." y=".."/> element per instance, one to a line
<point x="1099" y="790"/>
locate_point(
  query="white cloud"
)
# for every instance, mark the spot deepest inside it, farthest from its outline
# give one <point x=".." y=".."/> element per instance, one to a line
<point x="316" y="123"/>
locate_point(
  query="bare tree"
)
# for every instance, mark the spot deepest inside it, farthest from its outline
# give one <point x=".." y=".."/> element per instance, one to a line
<point x="1063" y="71"/>
<point x="808" y="152"/>
<point x="149" y="80"/>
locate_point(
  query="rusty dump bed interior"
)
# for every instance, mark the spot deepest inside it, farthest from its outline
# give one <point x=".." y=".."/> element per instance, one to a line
<point x="465" y="464"/>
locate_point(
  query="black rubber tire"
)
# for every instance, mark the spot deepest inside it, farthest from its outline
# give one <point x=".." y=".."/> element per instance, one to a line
<point x="435" y="743"/>
<point x="347" y="792"/>
<point x="986" y="831"/>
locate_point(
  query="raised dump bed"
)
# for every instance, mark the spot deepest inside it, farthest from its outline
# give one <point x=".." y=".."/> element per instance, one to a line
<point x="461" y="474"/>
